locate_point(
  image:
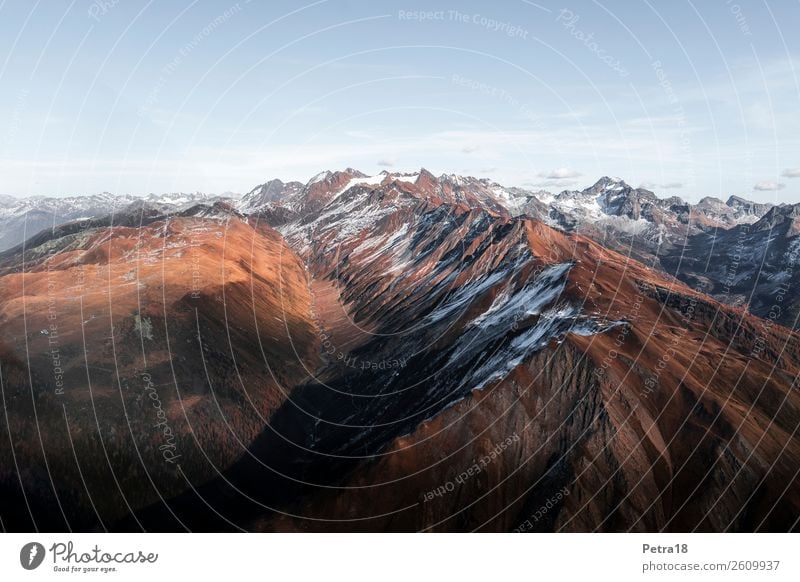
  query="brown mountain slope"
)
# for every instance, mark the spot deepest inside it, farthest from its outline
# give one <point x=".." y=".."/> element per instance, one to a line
<point x="139" y="360"/>
<point x="682" y="418"/>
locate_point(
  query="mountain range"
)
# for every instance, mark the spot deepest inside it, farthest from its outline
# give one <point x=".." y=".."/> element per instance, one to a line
<point x="21" y="218"/>
<point x="405" y="352"/>
<point x="740" y="252"/>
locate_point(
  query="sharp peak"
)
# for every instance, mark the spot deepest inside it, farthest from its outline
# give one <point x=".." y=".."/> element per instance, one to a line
<point x="267" y="185"/>
<point x="353" y="172"/>
<point x="403" y="172"/>
<point x="422" y="171"/>
<point x="464" y="177"/>
<point x="733" y="199"/>
<point x="218" y="207"/>
<point x="348" y="170"/>
<point x="606" y="180"/>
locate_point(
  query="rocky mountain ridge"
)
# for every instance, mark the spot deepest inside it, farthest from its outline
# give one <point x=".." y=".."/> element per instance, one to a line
<point x="327" y="361"/>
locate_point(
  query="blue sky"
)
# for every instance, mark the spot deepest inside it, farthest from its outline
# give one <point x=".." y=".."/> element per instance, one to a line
<point x="688" y="98"/>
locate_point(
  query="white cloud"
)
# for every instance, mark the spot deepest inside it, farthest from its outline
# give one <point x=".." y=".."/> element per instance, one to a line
<point x="665" y="186"/>
<point x="791" y="173"/>
<point x="768" y="185"/>
<point x="560" y="174"/>
<point x="563" y="184"/>
<point x="386" y="163"/>
<point x="469" y="149"/>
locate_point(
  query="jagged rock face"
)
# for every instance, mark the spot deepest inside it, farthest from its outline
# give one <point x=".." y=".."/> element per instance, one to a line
<point x="785" y="216"/>
<point x="269" y="193"/>
<point x="756" y="265"/>
<point x="748" y="208"/>
<point x="297" y="198"/>
<point x="741" y="252"/>
<point x="328" y="187"/>
<point x="156" y="352"/>
<point x="713" y="212"/>
<point x="610" y="197"/>
<point x="635" y="219"/>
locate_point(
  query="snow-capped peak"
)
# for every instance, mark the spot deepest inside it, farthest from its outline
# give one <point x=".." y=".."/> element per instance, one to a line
<point x="319" y="177"/>
<point x="609" y="183"/>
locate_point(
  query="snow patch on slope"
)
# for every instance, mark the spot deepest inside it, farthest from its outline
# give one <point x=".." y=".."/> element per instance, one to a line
<point x="488" y="346"/>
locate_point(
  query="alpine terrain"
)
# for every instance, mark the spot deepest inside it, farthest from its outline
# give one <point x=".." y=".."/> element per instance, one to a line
<point x="403" y="352"/>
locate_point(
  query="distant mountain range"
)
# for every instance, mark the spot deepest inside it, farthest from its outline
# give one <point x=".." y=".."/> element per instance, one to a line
<point x="740" y="252"/>
<point x="21" y="218"/>
<point x="404" y="352"/>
